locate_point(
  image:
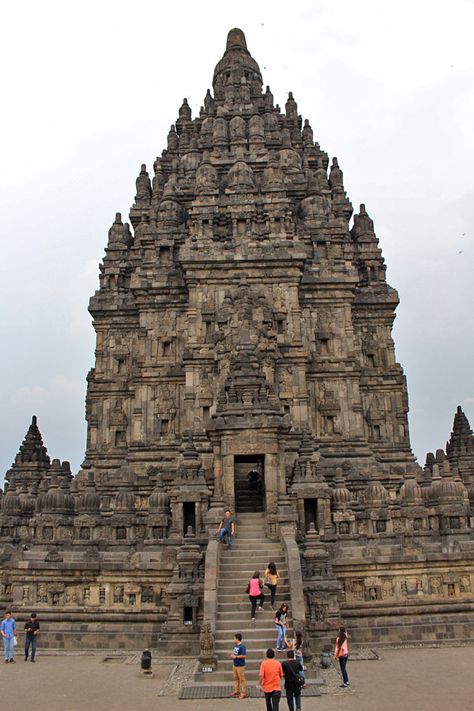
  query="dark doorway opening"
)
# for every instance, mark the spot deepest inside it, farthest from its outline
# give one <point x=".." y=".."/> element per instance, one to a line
<point x="249" y="482"/>
<point x="189" y="516"/>
<point x="311" y="513"/>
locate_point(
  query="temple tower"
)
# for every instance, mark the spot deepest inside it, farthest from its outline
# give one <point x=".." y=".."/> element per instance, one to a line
<point x="243" y="323"/>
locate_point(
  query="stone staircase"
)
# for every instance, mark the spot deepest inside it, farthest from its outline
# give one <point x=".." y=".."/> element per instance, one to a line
<point x="251" y="551"/>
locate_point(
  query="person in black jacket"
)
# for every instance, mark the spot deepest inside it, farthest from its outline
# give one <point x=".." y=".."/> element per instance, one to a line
<point x="291" y="670"/>
<point x="31" y="629"/>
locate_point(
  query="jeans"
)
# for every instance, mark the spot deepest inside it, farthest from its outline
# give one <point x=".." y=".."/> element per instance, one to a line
<point x="8" y="648"/>
<point x="281" y="632"/>
<point x="293" y="695"/>
<point x="31" y="641"/>
<point x="343" y="664"/>
<point x="253" y="601"/>
<point x="273" y="589"/>
<point x="223" y="532"/>
<point x="299" y="659"/>
<point x="272" y="699"/>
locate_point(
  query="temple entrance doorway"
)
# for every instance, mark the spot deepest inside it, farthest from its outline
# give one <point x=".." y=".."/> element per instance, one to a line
<point x="249" y="482"/>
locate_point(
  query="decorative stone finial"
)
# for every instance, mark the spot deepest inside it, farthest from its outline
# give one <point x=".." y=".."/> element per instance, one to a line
<point x="236" y="39"/>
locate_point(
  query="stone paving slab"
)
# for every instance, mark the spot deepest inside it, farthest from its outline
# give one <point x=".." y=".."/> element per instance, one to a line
<point x="412" y="679"/>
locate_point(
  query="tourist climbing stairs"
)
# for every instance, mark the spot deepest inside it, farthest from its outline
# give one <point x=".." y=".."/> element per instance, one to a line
<point x="251" y="551"/>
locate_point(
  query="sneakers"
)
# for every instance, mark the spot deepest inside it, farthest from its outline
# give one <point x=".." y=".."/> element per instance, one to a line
<point x="33" y="660"/>
<point x="260" y="608"/>
<point x="253" y="619"/>
<point x="278" y="649"/>
<point x="345" y="685"/>
<point x="12" y="661"/>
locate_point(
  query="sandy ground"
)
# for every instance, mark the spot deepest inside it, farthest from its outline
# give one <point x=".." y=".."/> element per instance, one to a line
<point x="403" y="680"/>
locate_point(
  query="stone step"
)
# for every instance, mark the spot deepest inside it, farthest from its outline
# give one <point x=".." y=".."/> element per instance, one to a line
<point x="242" y="570"/>
<point x="229" y="608"/>
<point x="251" y="561"/>
<point x="246" y="544"/>
<point x="261" y="626"/>
<point x="238" y="586"/>
<point x="241" y="593"/>
<point x="256" y="529"/>
<point x="237" y="598"/>
<point x="242" y="608"/>
<point x="224" y="674"/>
<point x="254" y="654"/>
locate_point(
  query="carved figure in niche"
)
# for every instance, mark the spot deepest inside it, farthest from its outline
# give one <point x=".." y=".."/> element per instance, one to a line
<point x="286" y="382"/>
<point x="362" y="527"/>
<point x="435" y="585"/>
<point x="388" y="588"/>
<point x="322" y="612"/>
<point x="206" y="640"/>
<point x="357" y="590"/>
<point x="397" y="525"/>
<point x="42" y="594"/>
<point x="464" y="584"/>
<point x="118" y="593"/>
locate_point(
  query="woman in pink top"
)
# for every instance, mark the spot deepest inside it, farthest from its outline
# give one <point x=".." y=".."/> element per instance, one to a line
<point x="341" y="652"/>
<point x="255" y="592"/>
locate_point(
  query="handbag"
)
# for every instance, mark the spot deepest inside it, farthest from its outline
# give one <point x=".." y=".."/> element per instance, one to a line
<point x="299" y="679"/>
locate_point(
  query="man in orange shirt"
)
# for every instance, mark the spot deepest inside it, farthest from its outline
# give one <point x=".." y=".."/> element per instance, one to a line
<point x="270" y="675"/>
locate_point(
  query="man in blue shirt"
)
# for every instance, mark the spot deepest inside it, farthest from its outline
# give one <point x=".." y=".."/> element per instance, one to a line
<point x="8" y="630"/>
<point x="238" y="656"/>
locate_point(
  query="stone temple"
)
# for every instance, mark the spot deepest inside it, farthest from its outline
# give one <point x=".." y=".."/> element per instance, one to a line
<point x="243" y="322"/>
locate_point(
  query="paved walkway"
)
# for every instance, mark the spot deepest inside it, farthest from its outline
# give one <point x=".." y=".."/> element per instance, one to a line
<point x="404" y="680"/>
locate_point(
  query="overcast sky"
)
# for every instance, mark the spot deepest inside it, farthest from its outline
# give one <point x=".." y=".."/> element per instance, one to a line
<point x="89" y="91"/>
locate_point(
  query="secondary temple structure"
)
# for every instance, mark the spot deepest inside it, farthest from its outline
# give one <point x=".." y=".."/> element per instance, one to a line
<point x="243" y="322"/>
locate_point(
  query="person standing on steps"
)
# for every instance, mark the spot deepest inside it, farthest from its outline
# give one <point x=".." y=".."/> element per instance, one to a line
<point x="270" y="675"/>
<point x="341" y="652"/>
<point x="255" y="593"/>
<point x="272" y="577"/>
<point x="294" y="680"/>
<point x="296" y="644"/>
<point x="8" y="630"/>
<point x="226" y="528"/>
<point x="280" y="622"/>
<point x="238" y="656"/>
<point x="31" y="630"/>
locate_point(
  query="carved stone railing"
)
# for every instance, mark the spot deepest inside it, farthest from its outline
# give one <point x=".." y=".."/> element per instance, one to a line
<point x="207" y="655"/>
<point x="295" y="577"/>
